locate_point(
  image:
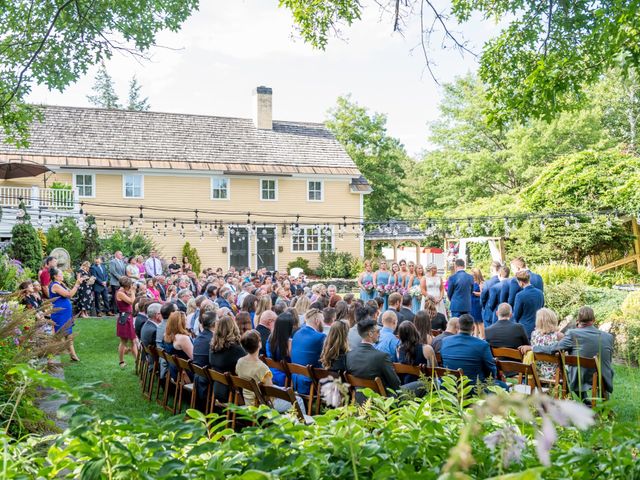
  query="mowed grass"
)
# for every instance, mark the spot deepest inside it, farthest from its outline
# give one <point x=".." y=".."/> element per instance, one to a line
<point x="97" y="347"/>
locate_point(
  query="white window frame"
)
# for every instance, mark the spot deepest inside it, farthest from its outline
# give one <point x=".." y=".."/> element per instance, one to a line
<point x="93" y="184"/>
<point x="275" y="189"/>
<point x="305" y="235"/>
<point x="226" y="179"/>
<point x="124" y="185"/>
<point x="321" y="182"/>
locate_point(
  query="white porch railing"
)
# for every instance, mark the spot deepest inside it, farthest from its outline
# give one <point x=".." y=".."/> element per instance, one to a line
<point x="40" y="198"/>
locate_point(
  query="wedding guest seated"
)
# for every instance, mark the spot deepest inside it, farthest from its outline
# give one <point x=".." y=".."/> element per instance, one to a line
<point x="306" y="347"/>
<point x="178" y="339"/>
<point x="184" y="295"/>
<point x="452" y="329"/>
<point x="388" y="342"/>
<point x="348" y="298"/>
<point x="546" y="333"/>
<point x="264" y="328"/>
<point x="243" y="320"/>
<point x="225" y="351"/>
<point x="201" y="349"/>
<point x="328" y="317"/>
<point x="405" y="312"/>
<point x="505" y="333"/>
<point x="140" y="306"/>
<point x="422" y="323"/>
<point x="586" y="340"/>
<point x="411" y="351"/>
<point x="438" y="320"/>
<point x="360" y="313"/>
<point x="279" y="345"/>
<point x="395" y="303"/>
<point x="150" y="327"/>
<point x="471" y="354"/>
<point x="366" y="362"/>
<point x="335" y="348"/>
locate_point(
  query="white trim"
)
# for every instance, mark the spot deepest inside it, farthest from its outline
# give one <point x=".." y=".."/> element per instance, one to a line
<point x="362" y="219"/>
<point x="321" y="189"/>
<point x="220" y="177"/>
<point x="275" y="245"/>
<point x="267" y="179"/>
<point x="124" y="189"/>
<point x="93" y="177"/>
<point x="319" y="250"/>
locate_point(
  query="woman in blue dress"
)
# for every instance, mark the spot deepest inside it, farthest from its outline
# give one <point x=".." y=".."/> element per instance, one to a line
<point x="62" y="315"/>
<point x="365" y="278"/>
<point x="416" y="281"/>
<point x="476" y="306"/>
<point x="279" y="345"/>
<point x="381" y="278"/>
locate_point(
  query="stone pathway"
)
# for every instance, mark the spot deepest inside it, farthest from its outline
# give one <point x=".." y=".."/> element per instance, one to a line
<point x="50" y="400"/>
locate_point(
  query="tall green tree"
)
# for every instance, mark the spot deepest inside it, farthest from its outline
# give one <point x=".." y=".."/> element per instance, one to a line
<point x="380" y="157"/>
<point x="541" y="62"/>
<point x="25" y="243"/>
<point x="54" y="43"/>
<point x="104" y="91"/>
<point x="136" y="101"/>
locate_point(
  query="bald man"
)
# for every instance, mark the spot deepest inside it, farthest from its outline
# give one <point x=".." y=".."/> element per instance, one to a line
<point x="265" y="325"/>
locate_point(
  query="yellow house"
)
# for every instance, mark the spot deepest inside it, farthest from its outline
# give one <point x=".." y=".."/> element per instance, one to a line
<point x="244" y="192"/>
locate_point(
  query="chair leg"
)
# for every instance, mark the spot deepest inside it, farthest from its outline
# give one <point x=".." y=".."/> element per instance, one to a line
<point x="312" y="391"/>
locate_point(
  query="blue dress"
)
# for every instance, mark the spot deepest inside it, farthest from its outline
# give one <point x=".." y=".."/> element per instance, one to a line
<point x="415" y="302"/>
<point x="476" y="306"/>
<point x="279" y="377"/>
<point x="383" y="279"/>
<point x="64" y="310"/>
<point x="364" y="295"/>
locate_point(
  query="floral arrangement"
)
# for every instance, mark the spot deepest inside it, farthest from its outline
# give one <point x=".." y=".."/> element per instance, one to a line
<point x="416" y="291"/>
<point x="382" y="289"/>
<point x="389" y="288"/>
<point x="368" y="287"/>
<point x="402" y="291"/>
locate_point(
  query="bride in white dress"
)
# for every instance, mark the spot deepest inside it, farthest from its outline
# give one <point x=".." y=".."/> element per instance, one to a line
<point x="433" y="286"/>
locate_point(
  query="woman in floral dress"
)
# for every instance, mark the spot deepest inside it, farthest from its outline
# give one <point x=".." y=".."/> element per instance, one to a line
<point x="546" y="333"/>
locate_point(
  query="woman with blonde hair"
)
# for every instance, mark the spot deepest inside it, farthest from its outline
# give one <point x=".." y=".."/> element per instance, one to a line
<point x="365" y="282"/>
<point x="546" y="333"/>
<point x="264" y="304"/>
<point x="335" y="348"/>
<point x="432" y="285"/>
<point x="302" y="305"/>
<point x="417" y="274"/>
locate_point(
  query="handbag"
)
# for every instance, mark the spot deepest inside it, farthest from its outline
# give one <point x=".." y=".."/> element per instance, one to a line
<point x="122" y="318"/>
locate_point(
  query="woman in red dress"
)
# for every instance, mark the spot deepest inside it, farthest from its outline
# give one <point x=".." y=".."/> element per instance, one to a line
<point x="125" y="330"/>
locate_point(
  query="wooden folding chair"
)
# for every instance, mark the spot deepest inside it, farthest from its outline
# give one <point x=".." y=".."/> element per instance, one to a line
<point x="304" y="371"/>
<point x="439" y="359"/>
<point x="287" y="394"/>
<point x="169" y="382"/>
<point x="404" y="369"/>
<point x="439" y="372"/>
<point x="278" y="365"/>
<point x="555" y="384"/>
<point x="239" y="384"/>
<point x="151" y="372"/>
<point x="526" y="371"/>
<point x="184" y="382"/>
<point x="139" y="360"/>
<point x="222" y="378"/>
<point x="435" y="333"/>
<point x="355" y="383"/>
<point x="200" y="374"/>
<point x="504" y="353"/>
<point x="597" y="390"/>
<point x="319" y="374"/>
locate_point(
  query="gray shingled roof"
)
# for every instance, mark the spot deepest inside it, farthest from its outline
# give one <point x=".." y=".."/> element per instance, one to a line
<point x="168" y="137"/>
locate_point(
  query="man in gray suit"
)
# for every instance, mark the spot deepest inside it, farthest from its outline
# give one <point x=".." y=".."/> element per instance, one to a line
<point x="366" y="362"/>
<point x="585" y="341"/>
<point x="116" y="270"/>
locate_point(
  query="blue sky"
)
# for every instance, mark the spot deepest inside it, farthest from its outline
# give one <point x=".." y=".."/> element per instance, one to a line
<point x="230" y="46"/>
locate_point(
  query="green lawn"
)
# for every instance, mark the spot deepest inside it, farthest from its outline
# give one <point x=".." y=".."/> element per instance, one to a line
<point x="97" y="347"/>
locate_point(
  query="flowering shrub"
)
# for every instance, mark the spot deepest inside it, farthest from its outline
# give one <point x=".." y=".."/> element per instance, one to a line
<point x="444" y="435"/>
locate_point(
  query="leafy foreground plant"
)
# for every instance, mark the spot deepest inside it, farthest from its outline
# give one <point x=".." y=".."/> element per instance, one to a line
<point x="443" y="435"/>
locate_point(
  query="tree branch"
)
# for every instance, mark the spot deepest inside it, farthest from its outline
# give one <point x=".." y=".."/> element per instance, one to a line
<point x="441" y="19"/>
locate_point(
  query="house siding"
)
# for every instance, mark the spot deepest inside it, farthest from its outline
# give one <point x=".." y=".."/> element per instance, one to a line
<point x="194" y="192"/>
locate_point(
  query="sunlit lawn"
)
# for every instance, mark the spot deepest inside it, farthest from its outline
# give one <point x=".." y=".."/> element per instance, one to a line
<point x="97" y="347"/>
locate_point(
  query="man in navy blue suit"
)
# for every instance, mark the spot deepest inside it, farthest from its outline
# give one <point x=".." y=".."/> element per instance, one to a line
<point x="460" y="286"/>
<point x="100" y="286"/>
<point x="519" y="265"/>
<point x="487" y="313"/>
<point x="528" y="301"/>
<point x="471" y="354"/>
<point x="306" y="347"/>
<point x="498" y="293"/>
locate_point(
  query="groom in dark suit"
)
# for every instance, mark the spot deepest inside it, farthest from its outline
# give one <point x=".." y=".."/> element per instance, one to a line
<point x="460" y="286"/>
<point x="487" y="313"/>
<point x="100" y="287"/>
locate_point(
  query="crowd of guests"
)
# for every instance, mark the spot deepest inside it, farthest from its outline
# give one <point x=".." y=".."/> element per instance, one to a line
<point x="227" y="321"/>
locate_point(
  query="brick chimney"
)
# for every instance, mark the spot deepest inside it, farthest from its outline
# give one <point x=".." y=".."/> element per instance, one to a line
<point x="262" y="116"/>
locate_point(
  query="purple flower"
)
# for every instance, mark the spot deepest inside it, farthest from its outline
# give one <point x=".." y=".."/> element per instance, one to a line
<point x="510" y="439"/>
<point x="545" y="439"/>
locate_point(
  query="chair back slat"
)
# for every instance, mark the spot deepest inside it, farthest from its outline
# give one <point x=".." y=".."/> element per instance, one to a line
<point x="528" y="372"/>
<point x="403" y="369"/>
<point x="284" y="393"/>
<point x="504" y="353"/>
<point x="239" y="383"/>
<point x="439" y="372"/>
<point x="591" y="363"/>
<point x="297" y="369"/>
<point x="355" y="382"/>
